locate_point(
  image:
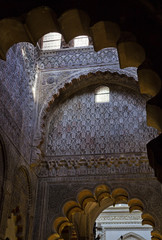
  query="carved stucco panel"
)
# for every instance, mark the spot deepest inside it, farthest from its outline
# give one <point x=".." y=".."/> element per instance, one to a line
<point x="79" y="126"/>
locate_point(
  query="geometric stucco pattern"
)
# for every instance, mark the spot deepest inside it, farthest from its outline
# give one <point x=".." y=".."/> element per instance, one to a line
<point x="17" y="74"/>
<point x="17" y="78"/>
<point x="61" y="66"/>
<point x="84" y="137"/>
<point x="54" y="77"/>
<point x="84" y="127"/>
<point x="82" y="57"/>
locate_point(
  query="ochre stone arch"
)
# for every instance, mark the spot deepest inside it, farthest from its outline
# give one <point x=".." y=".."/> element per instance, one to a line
<point x="84" y="211"/>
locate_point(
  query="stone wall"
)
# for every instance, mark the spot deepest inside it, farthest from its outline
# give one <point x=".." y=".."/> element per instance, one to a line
<point x="19" y="188"/>
<point x="17" y="79"/>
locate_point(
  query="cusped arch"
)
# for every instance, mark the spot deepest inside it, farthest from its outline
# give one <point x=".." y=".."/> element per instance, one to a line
<point x="95" y="203"/>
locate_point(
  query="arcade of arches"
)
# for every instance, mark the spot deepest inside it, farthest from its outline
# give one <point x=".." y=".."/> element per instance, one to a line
<point x="79" y="126"/>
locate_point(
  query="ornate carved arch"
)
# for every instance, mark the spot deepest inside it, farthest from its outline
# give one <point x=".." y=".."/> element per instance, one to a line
<point x="83" y="212"/>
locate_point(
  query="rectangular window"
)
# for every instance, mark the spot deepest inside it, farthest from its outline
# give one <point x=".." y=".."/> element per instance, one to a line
<point x="81" y="41"/>
<point x="51" y="41"/>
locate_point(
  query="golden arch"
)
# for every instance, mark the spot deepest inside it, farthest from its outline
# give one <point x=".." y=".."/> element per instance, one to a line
<point x="84" y="211"/>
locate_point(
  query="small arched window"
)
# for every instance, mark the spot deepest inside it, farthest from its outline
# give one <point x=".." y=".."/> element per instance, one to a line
<point x="81" y="41"/>
<point x="51" y="41"/>
<point x="102" y="94"/>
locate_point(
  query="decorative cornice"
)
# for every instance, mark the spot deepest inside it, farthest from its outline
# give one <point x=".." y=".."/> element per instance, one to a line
<point x="67" y="166"/>
<point x="81" y="58"/>
<point x="72" y="57"/>
<point x="119" y="218"/>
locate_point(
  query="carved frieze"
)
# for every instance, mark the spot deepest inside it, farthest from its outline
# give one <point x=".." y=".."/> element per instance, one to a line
<point x="110" y="164"/>
<point x="69" y="58"/>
